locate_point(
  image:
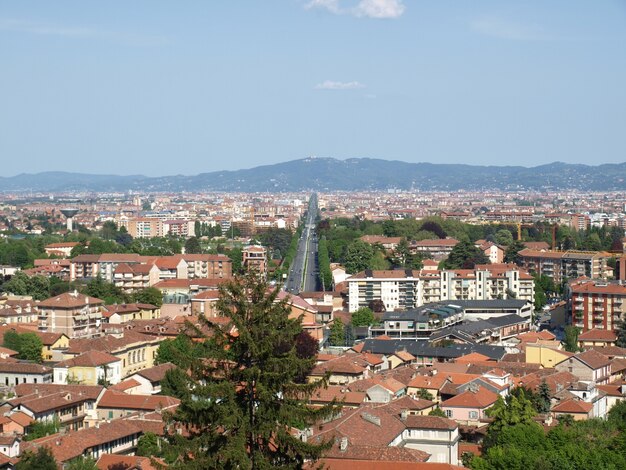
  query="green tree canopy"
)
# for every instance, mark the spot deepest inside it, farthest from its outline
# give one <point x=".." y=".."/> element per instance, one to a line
<point x="358" y="256"/>
<point x="465" y="255"/>
<point x="192" y="245"/>
<point x="40" y="460"/>
<point x="149" y="295"/>
<point x="363" y="317"/>
<point x="337" y="333"/>
<point x="28" y="345"/>
<point x="571" y="338"/>
<point x="82" y="463"/>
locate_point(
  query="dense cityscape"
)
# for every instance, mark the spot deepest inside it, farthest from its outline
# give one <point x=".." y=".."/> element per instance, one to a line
<point x="312" y="234"/>
<point x="438" y="322"/>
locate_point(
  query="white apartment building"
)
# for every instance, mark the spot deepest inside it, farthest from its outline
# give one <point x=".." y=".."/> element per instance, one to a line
<point x="406" y="289"/>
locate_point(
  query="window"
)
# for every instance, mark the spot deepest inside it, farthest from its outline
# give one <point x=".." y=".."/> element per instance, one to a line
<point x="473" y="414"/>
<point x="110" y="415"/>
<point x="449" y="413"/>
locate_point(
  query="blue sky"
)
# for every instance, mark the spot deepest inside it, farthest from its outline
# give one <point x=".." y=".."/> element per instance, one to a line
<point x="183" y="87"/>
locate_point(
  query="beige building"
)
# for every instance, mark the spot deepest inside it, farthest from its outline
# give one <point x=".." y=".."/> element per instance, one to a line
<point x="124" y="313"/>
<point x="73" y="314"/>
<point x="136" y="351"/>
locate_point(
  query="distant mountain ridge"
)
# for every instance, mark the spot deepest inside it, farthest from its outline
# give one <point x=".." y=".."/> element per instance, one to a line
<point x="330" y="174"/>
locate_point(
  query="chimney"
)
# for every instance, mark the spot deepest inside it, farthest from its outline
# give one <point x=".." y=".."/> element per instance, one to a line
<point x="404" y="414"/>
<point x="343" y="445"/>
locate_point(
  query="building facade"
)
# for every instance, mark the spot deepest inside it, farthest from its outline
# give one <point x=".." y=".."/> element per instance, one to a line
<point x="73" y="314"/>
<point x="407" y="289"/>
<point x="597" y="304"/>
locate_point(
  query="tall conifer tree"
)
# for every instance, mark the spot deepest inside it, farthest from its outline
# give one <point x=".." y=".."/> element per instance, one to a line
<point x="243" y="403"/>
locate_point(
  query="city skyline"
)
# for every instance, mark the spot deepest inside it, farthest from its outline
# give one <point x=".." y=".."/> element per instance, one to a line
<point x="152" y="89"/>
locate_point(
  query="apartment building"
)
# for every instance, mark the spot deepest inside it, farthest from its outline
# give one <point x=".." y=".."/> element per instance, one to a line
<point x="134" y="277"/>
<point x="597" y="304"/>
<point x="255" y="259"/>
<point x="408" y="289"/>
<point x="73" y="314"/>
<point x="200" y="266"/>
<point x="564" y="265"/>
<point x="418" y="322"/>
<point x="180" y="227"/>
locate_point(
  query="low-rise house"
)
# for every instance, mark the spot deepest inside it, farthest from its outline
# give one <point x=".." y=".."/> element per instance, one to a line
<point x="116" y="437"/>
<point x="53" y="343"/>
<point x="6" y="353"/>
<point x="150" y="379"/>
<point x="61" y="249"/>
<point x="72" y="405"/>
<point x="589" y="393"/>
<point x="89" y="368"/>
<point x="301" y="308"/>
<point x="15" y="422"/>
<point x="546" y="356"/>
<point x="589" y="366"/>
<point x="597" y="337"/>
<point x="470" y="406"/>
<point x="125" y="462"/>
<point x="379" y="389"/>
<point x="10" y="445"/>
<point x="348" y="399"/>
<point x="348" y="368"/>
<point x="18" y="372"/>
<point x="136" y="351"/>
<point x="578" y="409"/>
<point x="385" y="427"/>
<point x="614" y="393"/>
<point x="399" y="359"/>
<point x="114" y="404"/>
<point x="124" y="313"/>
<point x="433" y="384"/>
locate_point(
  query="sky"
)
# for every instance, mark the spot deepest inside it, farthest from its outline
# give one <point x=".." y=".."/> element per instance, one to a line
<point x="184" y="87"/>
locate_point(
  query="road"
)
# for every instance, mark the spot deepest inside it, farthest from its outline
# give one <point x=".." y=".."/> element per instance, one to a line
<point x="303" y="275"/>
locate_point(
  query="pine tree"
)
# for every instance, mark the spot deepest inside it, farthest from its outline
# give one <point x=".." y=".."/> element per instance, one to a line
<point x="242" y="402"/>
<point x="621" y="335"/>
<point x="544" y="398"/>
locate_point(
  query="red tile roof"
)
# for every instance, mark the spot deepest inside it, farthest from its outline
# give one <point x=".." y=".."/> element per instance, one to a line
<point x="118" y="400"/>
<point x="69" y="300"/>
<point x="573" y="406"/>
<point x="482" y="398"/>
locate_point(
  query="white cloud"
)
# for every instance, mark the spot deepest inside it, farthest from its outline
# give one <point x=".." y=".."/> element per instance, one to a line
<point x="332" y="85"/>
<point x="378" y="9"/>
<point x="330" y="5"/>
<point x="504" y="29"/>
<point x="49" y="29"/>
